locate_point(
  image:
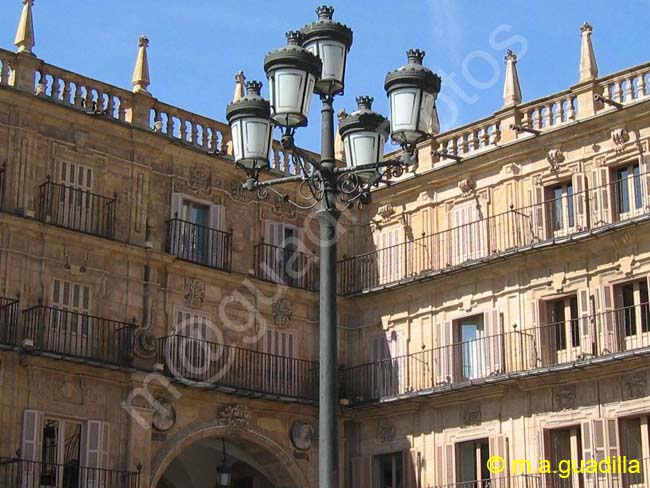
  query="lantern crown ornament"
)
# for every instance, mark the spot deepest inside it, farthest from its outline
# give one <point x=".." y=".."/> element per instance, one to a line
<point x="249" y="119"/>
<point x="364" y="134"/>
<point x="330" y="41"/>
<point x="412" y="90"/>
<point x="292" y="72"/>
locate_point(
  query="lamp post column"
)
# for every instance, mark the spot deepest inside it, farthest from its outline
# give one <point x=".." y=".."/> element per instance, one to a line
<point x="328" y="395"/>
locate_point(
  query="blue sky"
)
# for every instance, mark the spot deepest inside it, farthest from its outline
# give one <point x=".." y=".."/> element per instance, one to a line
<point x="198" y="45"/>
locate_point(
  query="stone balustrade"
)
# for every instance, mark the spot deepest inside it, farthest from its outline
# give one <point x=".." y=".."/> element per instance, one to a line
<point x="627" y="86"/>
<point x="7" y="62"/>
<point x="550" y="112"/>
<point x="82" y="93"/>
<point x="470" y="138"/>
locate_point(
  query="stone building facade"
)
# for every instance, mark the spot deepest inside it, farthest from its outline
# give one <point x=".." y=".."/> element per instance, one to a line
<point x="157" y="320"/>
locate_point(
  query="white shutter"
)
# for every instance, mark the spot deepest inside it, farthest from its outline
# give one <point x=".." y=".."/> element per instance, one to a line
<point x="32" y="438"/>
<point x="215" y="217"/>
<point x="362" y="472"/>
<point x="176" y="208"/>
<point x="645" y="182"/>
<point x="410" y="469"/>
<point x="274" y="233"/>
<point x="444" y="352"/>
<point x="579" y="182"/>
<point x="608" y="326"/>
<point x="493" y="349"/>
<point x="587" y="450"/>
<point x="498" y="445"/>
<point x="540" y="212"/>
<point x="586" y="325"/>
<point x="601" y="197"/>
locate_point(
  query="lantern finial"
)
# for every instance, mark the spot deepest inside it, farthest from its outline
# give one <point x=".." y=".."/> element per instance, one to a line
<point x="415" y="56"/>
<point x="325" y="12"/>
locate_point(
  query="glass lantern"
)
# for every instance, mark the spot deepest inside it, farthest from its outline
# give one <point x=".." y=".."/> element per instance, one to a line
<point x="250" y="128"/>
<point x="412" y="91"/>
<point x="292" y="72"/>
<point x="364" y="134"/>
<point x="330" y="41"/>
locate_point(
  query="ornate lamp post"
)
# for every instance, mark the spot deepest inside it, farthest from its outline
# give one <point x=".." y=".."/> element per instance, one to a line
<point x="314" y="61"/>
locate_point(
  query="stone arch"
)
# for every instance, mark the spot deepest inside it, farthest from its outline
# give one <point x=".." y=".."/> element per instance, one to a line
<point x="280" y="468"/>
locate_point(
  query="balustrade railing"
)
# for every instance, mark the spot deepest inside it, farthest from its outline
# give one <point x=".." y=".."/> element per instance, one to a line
<point x="470" y="139"/>
<point x="286" y="266"/>
<point x="550" y="112"/>
<point x="63" y="332"/>
<point x="199" y="244"/>
<point x="209" y="364"/>
<point x="500" y="481"/>
<point x="553" y="219"/>
<point x="9" y="315"/>
<point x="20" y="473"/>
<point x="76" y="209"/>
<point x="627" y="86"/>
<point x="7" y="64"/>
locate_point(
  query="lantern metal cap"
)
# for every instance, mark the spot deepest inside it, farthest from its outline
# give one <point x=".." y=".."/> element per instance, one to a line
<point x="250" y="105"/>
<point x="293" y="55"/>
<point x="326" y="28"/>
<point x="364" y="118"/>
<point x="414" y="73"/>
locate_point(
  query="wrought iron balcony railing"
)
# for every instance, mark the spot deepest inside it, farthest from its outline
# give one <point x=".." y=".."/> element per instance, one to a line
<point x="209" y="364"/>
<point x="286" y="266"/>
<point x="199" y="244"/>
<point x="528" y="349"/>
<point x="9" y="315"/>
<point x="19" y="473"/>
<point x="76" y="209"/>
<point x="555" y="220"/>
<point x="72" y="334"/>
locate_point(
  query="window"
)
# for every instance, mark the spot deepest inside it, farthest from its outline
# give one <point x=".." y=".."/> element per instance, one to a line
<point x="280" y="370"/>
<point x="78" y="183"/>
<point x="387" y="373"/>
<point x="471" y="465"/>
<point x="626" y="185"/>
<point x="563" y="319"/>
<point x="634" y="440"/>
<point x="468" y="234"/>
<point x="389" y="254"/>
<point x="282" y="254"/>
<point x="565" y="444"/>
<point x="194" y="350"/>
<point x="470" y="350"/>
<point x="61" y="446"/>
<point x="390" y="470"/>
<point x="73" y="301"/>
<point x="634" y="313"/>
<point x="560" y="206"/>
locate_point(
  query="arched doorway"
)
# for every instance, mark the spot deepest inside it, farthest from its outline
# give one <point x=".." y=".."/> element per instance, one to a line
<point x="191" y="459"/>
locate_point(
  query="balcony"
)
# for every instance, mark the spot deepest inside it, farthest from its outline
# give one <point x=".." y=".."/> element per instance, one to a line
<point x="70" y="334"/>
<point x="486" y="359"/>
<point x="573" y="216"/>
<point x="286" y="266"/>
<point x="199" y="244"/>
<point x="76" y="209"/>
<point x="211" y="365"/>
<point x="9" y="315"/>
<point x="19" y="473"/>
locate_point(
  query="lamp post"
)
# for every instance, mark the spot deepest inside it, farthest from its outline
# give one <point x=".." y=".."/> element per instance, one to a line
<point x="314" y="61"/>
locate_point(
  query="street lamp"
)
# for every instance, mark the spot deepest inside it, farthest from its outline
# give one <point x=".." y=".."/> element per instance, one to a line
<point x="314" y="61"/>
<point x="223" y="471"/>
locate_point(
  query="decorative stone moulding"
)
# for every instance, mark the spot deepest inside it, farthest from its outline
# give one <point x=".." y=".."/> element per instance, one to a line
<point x="555" y="157"/>
<point x="467" y="186"/>
<point x="620" y="136"/>
<point x="194" y="292"/>
<point x="282" y="311"/>
<point x="234" y="416"/>
<point x="386" y="211"/>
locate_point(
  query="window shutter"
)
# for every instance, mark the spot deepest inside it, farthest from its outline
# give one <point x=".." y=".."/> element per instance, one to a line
<point x="215" y="217"/>
<point x="598" y="432"/>
<point x="587" y="450"/>
<point x="580" y="201"/>
<point x="440" y="466"/>
<point x="444" y="353"/>
<point x="274" y="233"/>
<point x="603" y="197"/>
<point x="612" y="448"/>
<point x="31" y="446"/>
<point x="176" y="208"/>
<point x="410" y="468"/>
<point x="586" y="326"/>
<point x="450" y="464"/>
<point x="608" y="321"/>
<point x="499" y="447"/>
<point x="494" y="347"/>
<point x="544" y="451"/>
<point x="539" y="214"/>
<point x="362" y="472"/>
<point x="544" y="336"/>
<point x="645" y="183"/>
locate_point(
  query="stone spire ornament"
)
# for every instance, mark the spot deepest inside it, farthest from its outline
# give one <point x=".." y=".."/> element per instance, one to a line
<point x="588" y="65"/>
<point x="141" y="80"/>
<point x="25" y="33"/>
<point x="240" y="86"/>
<point x="511" y="87"/>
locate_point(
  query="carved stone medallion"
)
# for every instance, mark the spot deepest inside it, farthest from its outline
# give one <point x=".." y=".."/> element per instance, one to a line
<point x="385" y="430"/>
<point x="467" y="186"/>
<point x="199" y="179"/>
<point x="282" y="311"/>
<point x="301" y="435"/>
<point x="234" y="416"/>
<point x="194" y="292"/>
<point x="555" y="157"/>
<point x="164" y="415"/>
<point x="634" y="386"/>
<point x="564" y="397"/>
<point x="471" y="414"/>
